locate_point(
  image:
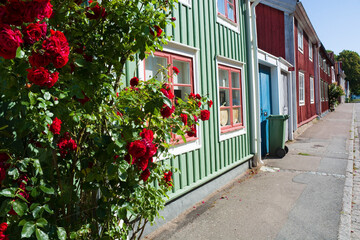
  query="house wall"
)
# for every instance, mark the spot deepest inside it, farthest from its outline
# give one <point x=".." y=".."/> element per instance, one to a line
<point x="306" y="66"/>
<point x="270" y="30"/>
<point x="327" y="78"/>
<point x="197" y="27"/>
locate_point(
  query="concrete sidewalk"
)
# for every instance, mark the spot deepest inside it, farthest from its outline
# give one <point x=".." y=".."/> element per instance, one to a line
<point x="298" y="197"/>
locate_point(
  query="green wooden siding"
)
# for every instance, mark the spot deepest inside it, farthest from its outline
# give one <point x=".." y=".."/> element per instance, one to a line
<point x="196" y="26"/>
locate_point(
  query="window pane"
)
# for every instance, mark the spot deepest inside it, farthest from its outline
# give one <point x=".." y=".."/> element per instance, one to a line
<point x="184" y="76"/>
<point x="223" y="78"/>
<point x="152" y="65"/>
<point x="231" y="13"/>
<point x="181" y="92"/>
<point x="221" y="6"/>
<point x="236" y="97"/>
<point x="235" y="80"/>
<point x="224" y="97"/>
<point x="224" y="117"/>
<point x="236" y="115"/>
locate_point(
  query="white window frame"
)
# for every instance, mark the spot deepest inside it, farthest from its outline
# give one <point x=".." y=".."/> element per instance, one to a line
<point x="226" y="22"/>
<point x="301" y="89"/>
<point x="310" y="51"/>
<point x="186" y="2"/>
<point x="312" y="93"/>
<point x="300" y="39"/>
<point x="321" y="90"/>
<point x="220" y="60"/>
<point x="189" y="52"/>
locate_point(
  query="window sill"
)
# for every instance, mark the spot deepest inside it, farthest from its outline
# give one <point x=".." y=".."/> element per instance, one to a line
<point x="232" y="132"/>
<point x="302" y="104"/>
<point x="300" y="50"/>
<point x="189" y="146"/>
<point x="227" y="23"/>
<point x="185" y="3"/>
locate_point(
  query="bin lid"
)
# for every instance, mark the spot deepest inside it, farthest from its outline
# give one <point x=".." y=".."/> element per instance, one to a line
<point x="280" y="117"/>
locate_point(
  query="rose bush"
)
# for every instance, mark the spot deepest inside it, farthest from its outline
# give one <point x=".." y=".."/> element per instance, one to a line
<point x="80" y="153"/>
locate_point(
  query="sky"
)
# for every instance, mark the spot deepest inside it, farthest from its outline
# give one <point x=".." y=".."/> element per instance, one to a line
<point x="336" y="22"/>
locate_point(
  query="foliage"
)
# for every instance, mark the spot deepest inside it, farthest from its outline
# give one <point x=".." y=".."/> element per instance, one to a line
<point x="80" y="154"/>
<point x="335" y="92"/>
<point x="351" y="66"/>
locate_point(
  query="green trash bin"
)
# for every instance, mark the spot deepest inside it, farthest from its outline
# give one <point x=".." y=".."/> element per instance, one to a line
<point x="277" y="135"/>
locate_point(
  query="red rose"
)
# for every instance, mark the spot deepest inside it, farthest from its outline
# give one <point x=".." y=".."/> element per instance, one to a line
<point x="167" y="178"/>
<point x="166" y="111"/>
<point x="173" y="19"/>
<point x="151" y="149"/>
<point x="37" y="9"/>
<point x="54" y="77"/>
<point x="205" y="115"/>
<point x="134" y="81"/>
<point x="60" y="60"/>
<point x="158" y="31"/>
<point x="39" y="60"/>
<point x="97" y="11"/>
<point x="34" y="32"/>
<point x="191" y="96"/>
<point x="198" y="96"/>
<point x="199" y="104"/>
<point x="176" y="70"/>
<point x="15" y="12"/>
<point x="147" y="134"/>
<point x="66" y="143"/>
<point x="9" y="41"/>
<point x="137" y="149"/>
<point x="71" y="145"/>
<point x="42" y="77"/>
<point x="195" y="118"/>
<point x="210" y="102"/>
<point x="3" y="157"/>
<point x="128" y="159"/>
<point x="145" y="175"/>
<point x="184" y="118"/>
<point x="55" y="127"/>
<point x="3" y="227"/>
<point x="142" y="163"/>
<point x="192" y="132"/>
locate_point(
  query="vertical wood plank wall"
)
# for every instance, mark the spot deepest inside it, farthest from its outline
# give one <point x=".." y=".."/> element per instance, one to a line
<point x="196" y="26"/>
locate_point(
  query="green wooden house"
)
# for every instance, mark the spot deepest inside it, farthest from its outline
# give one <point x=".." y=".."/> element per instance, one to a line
<point x="210" y="48"/>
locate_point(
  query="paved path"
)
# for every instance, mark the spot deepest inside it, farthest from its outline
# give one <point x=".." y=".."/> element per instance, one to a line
<point x="298" y="197"/>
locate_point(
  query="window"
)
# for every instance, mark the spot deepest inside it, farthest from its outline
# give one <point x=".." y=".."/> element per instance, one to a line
<point x="300" y="39"/>
<point x="301" y="89"/>
<point x="310" y="51"/>
<point x="230" y="97"/>
<point x="226" y="8"/>
<point x="322" y="90"/>
<point x="328" y="70"/>
<point x="182" y="83"/>
<point x="311" y="90"/>
<point x="326" y="91"/>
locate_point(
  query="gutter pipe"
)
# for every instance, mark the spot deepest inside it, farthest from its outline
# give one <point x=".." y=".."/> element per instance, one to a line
<point x="254" y="81"/>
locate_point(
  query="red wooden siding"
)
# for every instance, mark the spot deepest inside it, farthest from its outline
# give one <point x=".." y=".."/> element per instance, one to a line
<point x="306" y="112"/>
<point x="270" y="30"/>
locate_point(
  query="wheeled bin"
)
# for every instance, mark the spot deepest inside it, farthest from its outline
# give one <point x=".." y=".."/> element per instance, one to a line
<point x="277" y="135"/>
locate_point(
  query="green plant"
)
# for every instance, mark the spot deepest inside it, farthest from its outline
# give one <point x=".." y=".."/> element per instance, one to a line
<point x="81" y="153"/>
<point x="335" y="92"/>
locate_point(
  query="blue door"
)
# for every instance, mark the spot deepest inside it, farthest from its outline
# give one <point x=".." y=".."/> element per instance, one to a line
<point x="265" y="106"/>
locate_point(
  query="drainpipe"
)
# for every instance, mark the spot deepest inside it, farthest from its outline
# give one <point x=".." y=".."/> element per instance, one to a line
<point x="254" y="81"/>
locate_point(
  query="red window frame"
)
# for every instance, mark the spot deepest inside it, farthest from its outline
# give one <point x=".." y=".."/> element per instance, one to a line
<point x="170" y="57"/>
<point x="226" y="2"/>
<point x="232" y="126"/>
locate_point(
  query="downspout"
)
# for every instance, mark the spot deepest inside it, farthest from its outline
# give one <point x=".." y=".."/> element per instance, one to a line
<point x="256" y="79"/>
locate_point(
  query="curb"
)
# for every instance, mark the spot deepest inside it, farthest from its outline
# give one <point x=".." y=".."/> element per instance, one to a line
<point x="345" y="217"/>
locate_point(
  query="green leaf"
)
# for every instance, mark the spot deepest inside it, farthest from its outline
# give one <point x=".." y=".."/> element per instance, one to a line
<point x="38" y="169"/>
<point x="19" y="53"/>
<point x="7" y="192"/>
<point x="14" y="172"/>
<point x="46" y="207"/>
<point x="28" y="229"/>
<point x="61" y="233"/>
<point x="19" y="207"/>
<point x="37" y="211"/>
<point x="40" y="235"/>
<point x="47" y="189"/>
<point x="42" y="222"/>
<point x="5" y="207"/>
<point x="47" y="96"/>
<point x="22" y="222"/>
